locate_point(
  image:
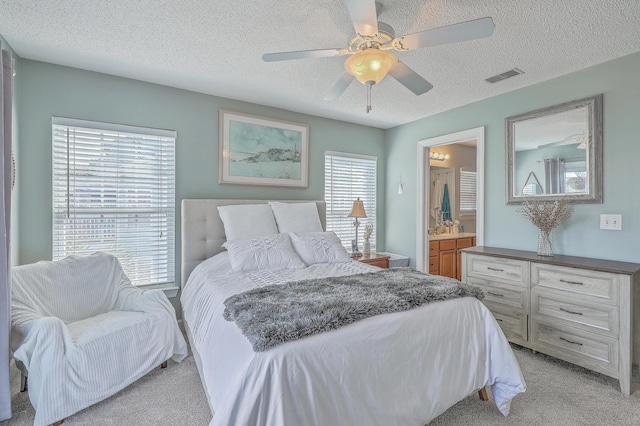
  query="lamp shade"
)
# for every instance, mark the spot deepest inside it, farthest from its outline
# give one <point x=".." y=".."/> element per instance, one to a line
<point x="358" y="209"/>
<point x="370" y="66"/>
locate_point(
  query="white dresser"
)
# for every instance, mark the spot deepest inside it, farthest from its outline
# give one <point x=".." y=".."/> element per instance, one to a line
<point x="584" y="311"/>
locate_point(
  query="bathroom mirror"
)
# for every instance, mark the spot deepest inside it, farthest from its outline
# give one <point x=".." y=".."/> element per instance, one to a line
<point x="556" y="152"/>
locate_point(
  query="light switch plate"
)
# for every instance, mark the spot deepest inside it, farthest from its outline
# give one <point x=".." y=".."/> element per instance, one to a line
<point x="611" y="222"/>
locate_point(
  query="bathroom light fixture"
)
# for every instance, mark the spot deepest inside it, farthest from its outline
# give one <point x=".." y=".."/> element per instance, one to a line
<point x="438" y="156"/>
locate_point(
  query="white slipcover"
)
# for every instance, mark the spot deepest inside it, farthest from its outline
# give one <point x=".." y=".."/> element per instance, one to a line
<point x="83" y="332"/>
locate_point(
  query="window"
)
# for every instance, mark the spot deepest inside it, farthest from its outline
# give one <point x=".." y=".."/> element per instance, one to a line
<point x="467" y="192"/>
<point x="347" y="177"/>
<point x="529" y="189"/>
<point x="114" y="191"/>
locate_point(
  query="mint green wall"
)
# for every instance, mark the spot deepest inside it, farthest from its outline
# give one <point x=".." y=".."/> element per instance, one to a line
<point x="50" y="90"/>
<point x="504" y="227"/>
<point x="15" y="217"/>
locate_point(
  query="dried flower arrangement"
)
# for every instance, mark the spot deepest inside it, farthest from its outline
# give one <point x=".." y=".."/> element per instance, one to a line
<point x="368" y="229"/>
<point x="545" y="216"/>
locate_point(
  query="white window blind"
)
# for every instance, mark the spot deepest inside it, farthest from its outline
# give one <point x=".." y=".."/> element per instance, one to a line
<point x="467" y="191"/>
<point x="114" y="191"/>
<point x="347" y="177"/>
<point x="529" y="189"/>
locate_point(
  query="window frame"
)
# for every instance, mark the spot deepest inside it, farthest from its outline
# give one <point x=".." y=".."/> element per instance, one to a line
<point x="339" y="202"/>
<point x="468" y="194"/>
<point x="153" y="152"/>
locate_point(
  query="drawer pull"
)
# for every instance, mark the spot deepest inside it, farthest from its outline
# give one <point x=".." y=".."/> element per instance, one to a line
<point x="498" y="319"/>
<point x="569" y="341"/>
<point x="495" y="269"/>
<point x="571" y="312"/>
<point x="495" y="294"/>
<point x="571" y="282"/>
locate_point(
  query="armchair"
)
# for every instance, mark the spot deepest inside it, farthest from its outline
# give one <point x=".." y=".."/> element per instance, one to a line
<point x="81" y="332"/>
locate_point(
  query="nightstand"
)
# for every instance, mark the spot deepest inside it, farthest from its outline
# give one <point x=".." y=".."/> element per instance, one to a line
<point x="379" y="260"/>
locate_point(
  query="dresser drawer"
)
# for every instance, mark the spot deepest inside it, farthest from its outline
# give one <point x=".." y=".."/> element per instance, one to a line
<point x="375" y="260"/>
<point x="589" y="350"/>
<point x="447" y="244"/>
<point x="514" y="326"/>
<point x="464" y="242"/>
<point x="588" y="285"/>
<point x="434" y="264"/>
<point x="434" y="248"/>
<point x="380" y="263"/>
<point x="589" y="316"/>
<point x="500" y="294"/>
<point x="498" y="269"/>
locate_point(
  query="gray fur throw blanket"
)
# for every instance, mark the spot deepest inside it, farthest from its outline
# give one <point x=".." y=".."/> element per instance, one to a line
<point x="274" y="314"/>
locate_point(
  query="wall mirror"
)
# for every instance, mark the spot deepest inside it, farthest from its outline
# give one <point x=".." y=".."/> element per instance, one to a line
<point x="556" y="152"/>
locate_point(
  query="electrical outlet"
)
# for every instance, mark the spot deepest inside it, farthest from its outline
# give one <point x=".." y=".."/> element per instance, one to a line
<point x="611" y="222"/>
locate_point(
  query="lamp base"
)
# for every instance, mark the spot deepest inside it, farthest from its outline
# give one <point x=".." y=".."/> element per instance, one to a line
<point x="356" y="253"/>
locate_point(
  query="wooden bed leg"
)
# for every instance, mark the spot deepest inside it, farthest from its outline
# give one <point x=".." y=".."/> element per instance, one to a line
<point x="163" y="365"/>
<point x="23" y="383"/>
<point x="482" y="393"/>
<point x="58" y="423"/>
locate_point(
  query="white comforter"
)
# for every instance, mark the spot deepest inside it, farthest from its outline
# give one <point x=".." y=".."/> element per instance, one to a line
<point x="395" y="369"/>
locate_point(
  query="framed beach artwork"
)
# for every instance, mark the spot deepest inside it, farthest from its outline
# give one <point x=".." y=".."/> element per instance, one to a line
<point x="263" y="151"/>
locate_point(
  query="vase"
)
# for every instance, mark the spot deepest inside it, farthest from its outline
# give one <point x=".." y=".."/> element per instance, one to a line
<point x="366" y="248"/>
<point x="545" y="248"/>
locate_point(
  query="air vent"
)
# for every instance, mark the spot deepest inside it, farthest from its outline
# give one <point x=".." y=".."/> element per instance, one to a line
<point x="504" y="75"/>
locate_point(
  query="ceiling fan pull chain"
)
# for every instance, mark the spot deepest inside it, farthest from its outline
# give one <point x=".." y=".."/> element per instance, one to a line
<point x="368" y="98"/>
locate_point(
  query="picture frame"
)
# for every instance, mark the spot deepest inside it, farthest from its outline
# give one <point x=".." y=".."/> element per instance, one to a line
<point x="263" y="151"/>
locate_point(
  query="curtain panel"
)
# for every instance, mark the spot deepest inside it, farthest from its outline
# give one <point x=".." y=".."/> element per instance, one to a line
<point x="5" y="212"/>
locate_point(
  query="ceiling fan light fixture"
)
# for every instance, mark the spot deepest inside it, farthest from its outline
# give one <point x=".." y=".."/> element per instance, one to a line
<point x="369" y="66"/>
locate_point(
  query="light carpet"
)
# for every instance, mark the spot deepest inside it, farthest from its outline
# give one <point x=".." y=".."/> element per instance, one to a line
<point x="557" y="393"/>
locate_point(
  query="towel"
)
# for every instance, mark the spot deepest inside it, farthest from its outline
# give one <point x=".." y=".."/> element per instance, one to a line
<point x="437" y="193"/>
<point x="446" y="208"/>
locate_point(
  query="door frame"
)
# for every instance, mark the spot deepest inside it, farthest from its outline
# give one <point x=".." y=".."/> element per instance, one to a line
<point x="424" y="170"/>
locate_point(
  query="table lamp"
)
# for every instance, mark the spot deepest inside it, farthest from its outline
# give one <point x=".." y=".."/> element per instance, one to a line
<point x="357" y="211"/>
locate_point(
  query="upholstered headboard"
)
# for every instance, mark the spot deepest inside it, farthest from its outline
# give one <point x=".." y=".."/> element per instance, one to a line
<point x="203" y="232"/>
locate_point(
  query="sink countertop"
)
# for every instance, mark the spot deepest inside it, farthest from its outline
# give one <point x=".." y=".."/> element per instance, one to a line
<point x="451" y="236"/>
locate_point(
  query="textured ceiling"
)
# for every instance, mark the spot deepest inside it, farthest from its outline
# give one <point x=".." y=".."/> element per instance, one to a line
<point x="215" y="47"/>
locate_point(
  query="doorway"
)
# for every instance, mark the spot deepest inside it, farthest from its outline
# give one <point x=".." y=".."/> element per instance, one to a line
<point x="424" y="188"/>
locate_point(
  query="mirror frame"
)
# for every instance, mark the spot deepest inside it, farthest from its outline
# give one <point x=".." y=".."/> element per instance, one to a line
<point x="594" y="151"/>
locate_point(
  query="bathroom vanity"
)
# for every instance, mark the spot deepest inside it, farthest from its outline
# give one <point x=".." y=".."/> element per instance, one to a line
<point x="445" y="257"/>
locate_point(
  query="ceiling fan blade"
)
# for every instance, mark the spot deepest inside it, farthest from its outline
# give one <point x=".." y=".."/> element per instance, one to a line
<point x="569" y="140"/>
<point x="341" y="85"/>
<point x="410" y="79"/>
<point x="364" y="16"/>
<point x="302" y="54"/>
<point x="470" y="30"/>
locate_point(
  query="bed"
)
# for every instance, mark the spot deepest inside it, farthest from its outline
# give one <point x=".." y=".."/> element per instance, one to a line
<point x="402" y="368"/>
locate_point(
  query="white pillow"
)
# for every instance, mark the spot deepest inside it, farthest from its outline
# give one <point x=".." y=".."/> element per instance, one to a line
<point x="271" y="252"/>
<point x="247" y="220"/>
<point x="296" y="217"/>
<point x="319" y="247"/>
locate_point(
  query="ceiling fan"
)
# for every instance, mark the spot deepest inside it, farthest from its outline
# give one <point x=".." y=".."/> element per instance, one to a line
<point x="578" y="138"/>
<point x="370" y="57"/>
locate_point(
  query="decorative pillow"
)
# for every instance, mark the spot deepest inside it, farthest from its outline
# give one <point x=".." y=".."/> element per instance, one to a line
<point x="247" y="220"/>
<point x="319" y="247"/>
<point x="296" y="217"/>
<point x="271" y="252"/>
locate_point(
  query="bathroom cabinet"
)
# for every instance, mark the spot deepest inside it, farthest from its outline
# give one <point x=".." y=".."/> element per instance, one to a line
<point x="445" y="257"/>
